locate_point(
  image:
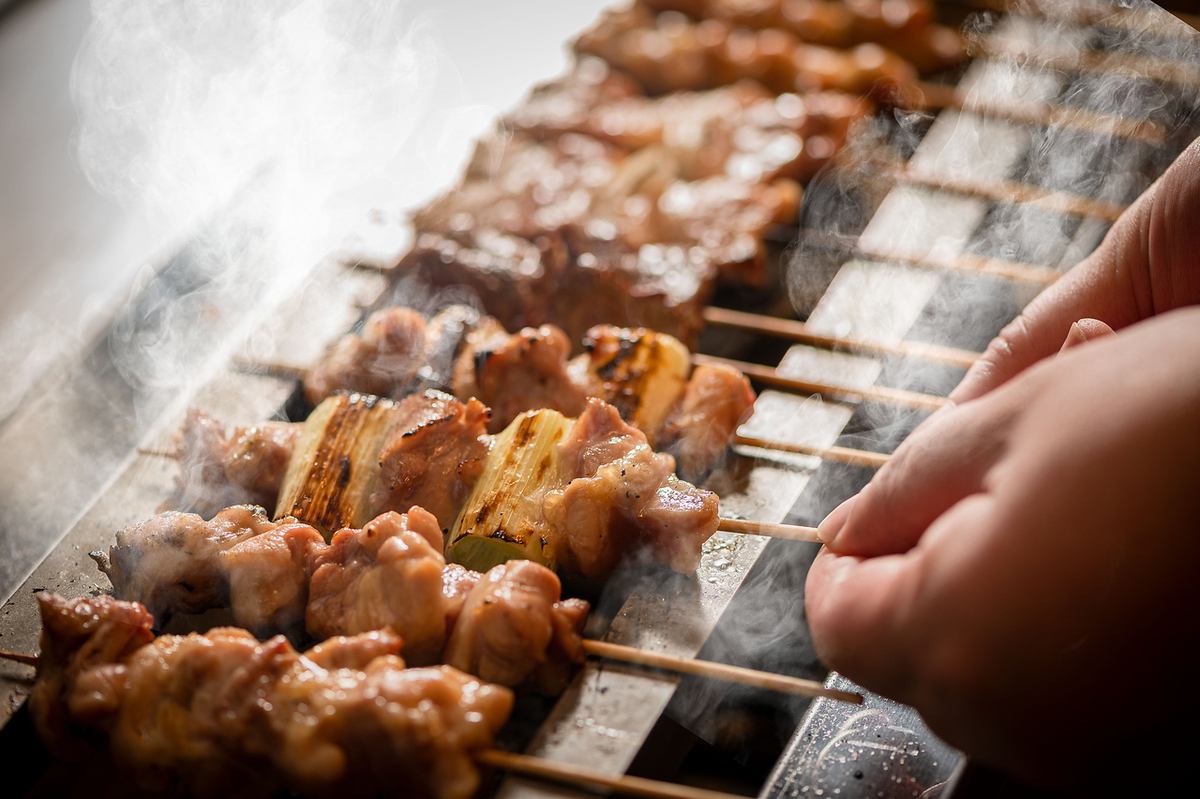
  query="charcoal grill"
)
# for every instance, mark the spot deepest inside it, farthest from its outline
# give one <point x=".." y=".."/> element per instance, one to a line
<point x="918" y="270"/>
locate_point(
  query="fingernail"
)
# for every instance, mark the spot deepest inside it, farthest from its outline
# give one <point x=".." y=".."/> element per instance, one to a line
<point x="832" y="524"/>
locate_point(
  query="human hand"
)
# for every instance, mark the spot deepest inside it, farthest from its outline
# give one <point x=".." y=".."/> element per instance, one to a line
<point x="1147" y="265"/>
<point x="1023" y="571"/>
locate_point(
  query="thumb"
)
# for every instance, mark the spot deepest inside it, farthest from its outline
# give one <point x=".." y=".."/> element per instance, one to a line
<point x="944" y="460"/>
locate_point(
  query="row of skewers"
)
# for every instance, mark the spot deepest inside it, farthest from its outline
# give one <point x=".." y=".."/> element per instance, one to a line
<point x="452" y="470"/>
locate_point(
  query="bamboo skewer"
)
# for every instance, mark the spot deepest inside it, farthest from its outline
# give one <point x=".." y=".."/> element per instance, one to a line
<point x="718" y="671"/>
<point x="19" y="657"/>
<point x="577" y="775"/>
<point x="937" y="96"/>
<point x="963" y="262"/>
<point x="853" y="457"/>
<point x="794" y="330"/>
<point x="784" y="532"/>
<point x="1008" y="191"/>
<point x="1098" y="62"/>
<point x="769" y="376"/>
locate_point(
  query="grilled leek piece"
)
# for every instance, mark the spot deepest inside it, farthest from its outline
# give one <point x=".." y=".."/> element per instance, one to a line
<point x="641" y="372"/>
<point x="502" y="518"/>
<point x="334" y="468"/>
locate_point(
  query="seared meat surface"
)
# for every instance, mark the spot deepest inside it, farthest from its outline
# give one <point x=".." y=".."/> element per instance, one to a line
<point x="514" y="373"/>
<point x="717" y="400"/>
<point x="621" y="496"/>
<point x="222" y="714"/>
<point x="511" y="620"/>
<point x="388" y="574"/>
<point x="670" y="53"/>
<point x="433" y="454"/>
<point x="903" y="26"/>
<point x="220" y="469"/>
<point x="172" y="563"/>
<point x="266" y="574"/>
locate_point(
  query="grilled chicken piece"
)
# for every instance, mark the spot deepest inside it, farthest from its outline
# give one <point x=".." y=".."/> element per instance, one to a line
<point x="79" y="676"/>
<point x="218" y="470"/>
<point x="268" y="577"/>
<point x="388" y="574"/>
<point x="511" y="622"/>
<point x="222" y="713"/>
<point x="621" y="496"/>
<point x="743" y="131"/>
<point x="383" y="359"/>
<point x="718" y="399"/>
<point x="667" y="53"/>
<point x="512" y="373"/>
<point x="457" y="582"/>
<point x="522" y="186"/>
<point x="171" y="563"/>
<point x="433" y="454"/>
<point x="903" y="26"/>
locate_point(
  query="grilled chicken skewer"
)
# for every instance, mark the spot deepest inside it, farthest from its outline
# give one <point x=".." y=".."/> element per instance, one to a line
<point x="575" y="494"/>
<point x="346" y="716"/>
<point x="691" y="412"/>
<point x="508" y="626"/>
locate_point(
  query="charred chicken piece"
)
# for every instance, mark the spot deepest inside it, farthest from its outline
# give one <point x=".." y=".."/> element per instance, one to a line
<point x="359" y="455"/>
<point x="386" y="575"/>
<point x="668" y="53"/>
<point x="172" y="562"/>
<point x="180" y="711"/>
<point x="433" y="455"/>
<point x="620" y="497"/>
<point x="513" y="373"/>
<point x="903" y="26"/>
<point x="718" y="399"/>
<point x="220" y="469"/>
<point x="512" y="627"/>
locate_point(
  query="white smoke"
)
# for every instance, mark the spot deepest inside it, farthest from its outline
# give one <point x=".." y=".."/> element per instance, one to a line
<point x="273" y="111"/>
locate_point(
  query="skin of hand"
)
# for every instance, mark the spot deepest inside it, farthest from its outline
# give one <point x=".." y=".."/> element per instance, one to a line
<point x="1023" y="570"/>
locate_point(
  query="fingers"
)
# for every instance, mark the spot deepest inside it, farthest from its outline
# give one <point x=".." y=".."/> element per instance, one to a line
<point x="1084" y="331"/>
<point x="853" y="607"/>
<point x="943" y="461"/>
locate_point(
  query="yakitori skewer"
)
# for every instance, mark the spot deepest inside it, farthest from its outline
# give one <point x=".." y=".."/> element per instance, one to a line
<point x="543" y="768"/>
<point x="769" y="376"/>
<point x="794" y="330"/>
<point x="1160" y="70"/>
<point x="789" y="532"/>
<point x="19" y="657"/>
<point x="577" y="775"/>
<point x="765" y="375"/>
<point x="1114" y="17"/>
<point x="937" y="96"/>
<point x="965" y="263"/>
<point x="847" y="455"/>
<point x="722" y="671"/>
<point x="1008" y="191"/>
